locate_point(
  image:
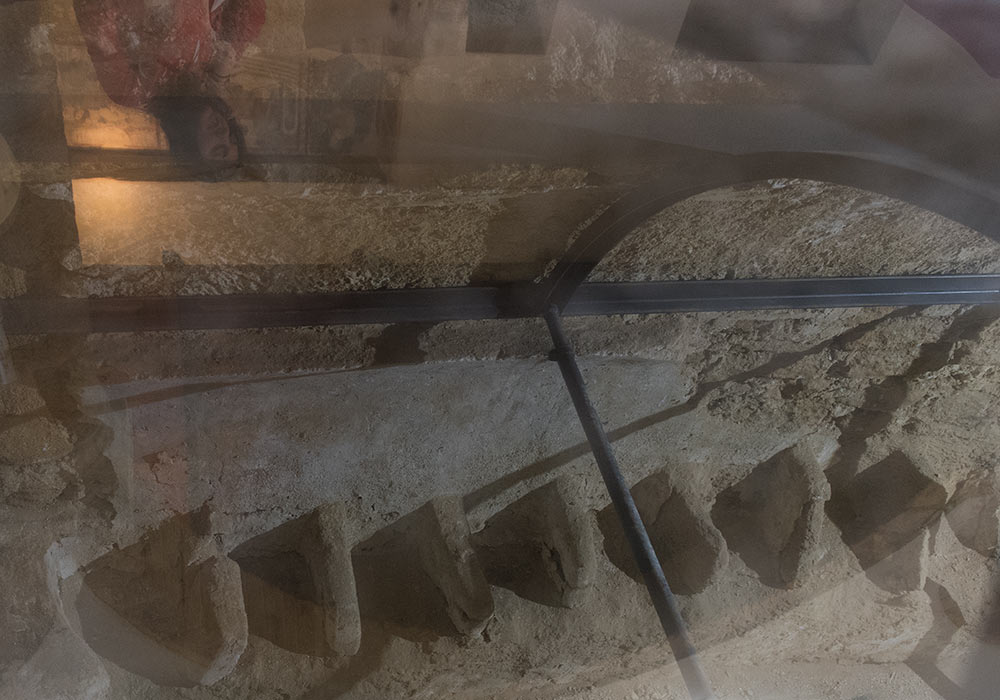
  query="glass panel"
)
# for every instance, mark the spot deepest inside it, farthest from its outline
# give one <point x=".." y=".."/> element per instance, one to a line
<point x="277" y="412"/>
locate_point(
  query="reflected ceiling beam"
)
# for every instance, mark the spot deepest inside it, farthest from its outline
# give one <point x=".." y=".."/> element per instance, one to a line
<point x="138" y="314"/>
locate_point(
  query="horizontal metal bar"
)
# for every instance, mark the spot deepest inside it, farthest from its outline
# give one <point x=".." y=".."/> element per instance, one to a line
<point x="741" y="295"/>
<point x="134" y="314"/>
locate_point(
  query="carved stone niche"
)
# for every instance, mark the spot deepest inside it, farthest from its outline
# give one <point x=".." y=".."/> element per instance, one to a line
<point x="298" y="584"/>
<point x="421" y="574"/>
<point x="541" y="546"/>
<point x="690" y="548"/>
<point x="169" y="607"/>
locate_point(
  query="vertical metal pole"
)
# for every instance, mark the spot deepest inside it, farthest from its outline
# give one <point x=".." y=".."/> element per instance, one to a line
<point x="635" y="531"/>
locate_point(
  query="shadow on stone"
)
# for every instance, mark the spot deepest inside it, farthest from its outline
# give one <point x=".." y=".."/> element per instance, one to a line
<point x="541" y="546"/>
<point x="422" y="576"/>
<point x="883" y="513"/>
<point x="169" y="607"/>
<point x="298" y="585"/>
<point x="690" y="548"/>
<point x="773" y="518"/>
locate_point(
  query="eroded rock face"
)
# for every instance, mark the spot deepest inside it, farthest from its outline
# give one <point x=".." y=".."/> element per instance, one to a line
<point x="169" y="608"/>
<point x="298" y="584"/>
<point x="541" y="546"/>
<point x="422" y="574"/>
<point x="690" y="548"/>
<point x="774" y="517"/>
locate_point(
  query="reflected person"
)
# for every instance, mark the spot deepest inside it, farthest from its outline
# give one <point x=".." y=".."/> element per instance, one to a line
<point x="169" y="58"/>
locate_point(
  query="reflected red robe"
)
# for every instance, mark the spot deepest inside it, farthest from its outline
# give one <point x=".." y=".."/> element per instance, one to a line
<point x="139" y="47"/>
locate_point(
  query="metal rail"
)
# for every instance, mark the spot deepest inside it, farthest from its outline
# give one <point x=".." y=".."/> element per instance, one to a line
<point x="136" y="314"/>
<point x="628" y="515"/>
<point x="710" y="171"/>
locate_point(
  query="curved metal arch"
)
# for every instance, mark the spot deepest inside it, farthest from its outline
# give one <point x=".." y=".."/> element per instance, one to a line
<point x="624" y="216"/>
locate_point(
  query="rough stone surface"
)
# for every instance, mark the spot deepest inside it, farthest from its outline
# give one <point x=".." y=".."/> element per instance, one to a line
<point x="727" y="391"/>
<point x="421" y="573"/>
<point x="541" y="546"/>
<point x="796" y="228"/>
<point x="18" y="399"/>
<point x="63" y="668"/>
<point x="774" y="517"/>
<point x="166" y="608"/>
<point x="483" y="168"/>
<point x="32" y="440"/>
<point x="298" y="585"/>
<point x="972" y="514"/>
<point x="884" y="513"/>
<point x="690" y="548"/>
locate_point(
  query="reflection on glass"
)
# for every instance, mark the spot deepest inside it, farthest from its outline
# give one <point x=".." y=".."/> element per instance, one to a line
<point x="204" y="484"/>
<point x="169" y="59"/>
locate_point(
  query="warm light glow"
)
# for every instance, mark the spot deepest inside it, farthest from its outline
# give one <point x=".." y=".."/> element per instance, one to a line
<point x="110" y="127"/>
<point x="109" y="217"/>
<point x="101" y="137"/>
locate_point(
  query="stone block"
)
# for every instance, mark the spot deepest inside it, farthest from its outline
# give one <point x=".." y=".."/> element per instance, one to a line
<point x="167" y="607"/>
<point x="421" y="574"/>
<point x="773" y="518"/>
<point x="883" y="510"/>
<point x="541" y="546"/>
<point x="298" y="585"/>
<point x="905" y="568"/>
<point x="972" y="514"/>
<point x="690" y="548"/>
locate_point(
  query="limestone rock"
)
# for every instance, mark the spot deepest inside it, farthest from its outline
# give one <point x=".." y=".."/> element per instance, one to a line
<point x="541" y="546"/>
<point x="13" y="281"/>
<point x="422" y="574"/>
<point x="63" y="668"/>
<point x="690" y="548"/>
<point x="35" y="439"/>
<point x="163" y="609"/>
<point x="33" y="484"/>
<point x="17" y="399"/>
<point x="298" y="585"/>
<point x="905" y="568"/>
<point x="882" y="511"/>
<point x="773" y="518"/>
<point x="972" y="514"/>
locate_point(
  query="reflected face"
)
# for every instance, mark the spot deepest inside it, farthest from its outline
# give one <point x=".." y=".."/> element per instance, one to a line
<point x="216" y="142"/>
